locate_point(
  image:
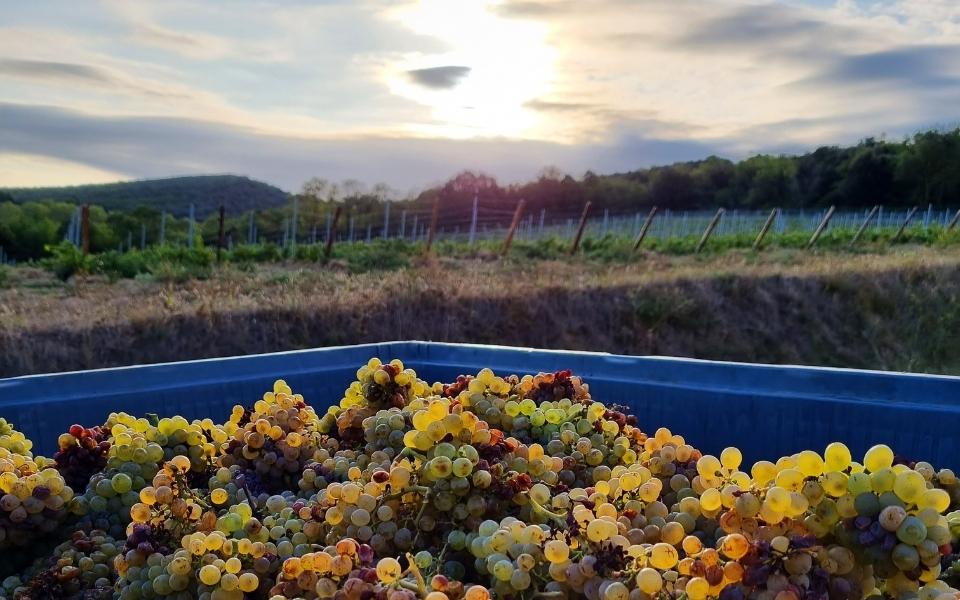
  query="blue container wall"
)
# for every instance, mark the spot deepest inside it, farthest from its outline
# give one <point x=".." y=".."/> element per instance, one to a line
<point x="766" y="411"/>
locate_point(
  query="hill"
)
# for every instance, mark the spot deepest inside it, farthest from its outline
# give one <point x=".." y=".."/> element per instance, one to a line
<point x="175" y="194"/>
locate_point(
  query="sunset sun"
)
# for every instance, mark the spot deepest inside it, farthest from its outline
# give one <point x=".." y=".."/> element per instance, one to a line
<point x="493" y="67"/>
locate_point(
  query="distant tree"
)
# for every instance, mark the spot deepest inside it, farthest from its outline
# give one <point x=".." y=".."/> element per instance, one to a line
<point x="550" y="173"/>
<point x="468" y="182"/>
<point x="819" y="175"/>
<point x="713" y="181"/>
<point x="383" y="192"/>
<point x="931" y="163"/>
<point x="772" y="181"/>
<point x="870" y="176"/>
<point x="351" y="188"/>
<point x="317" y="187"/>
<point x="673" y="188"/>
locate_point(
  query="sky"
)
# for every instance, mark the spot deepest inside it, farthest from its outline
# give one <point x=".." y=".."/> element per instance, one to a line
<point x="409" y="93"/>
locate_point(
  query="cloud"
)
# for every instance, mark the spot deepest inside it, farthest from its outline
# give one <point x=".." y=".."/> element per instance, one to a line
<point x="189" y="44"/>
<point x="922" y="68"/>
<point x="154" y="147"/>
<point x="604" y="84"/>
<point x="561" y="107"/>
<point x="760" y="28"/>
<point x="530" y="8"/>
<point x="74" y="73"/>
<point x="141" y="21"/>
<point x="546" y="9"/>
<point x="439" y="77"/>
<point x="55" y="71"/>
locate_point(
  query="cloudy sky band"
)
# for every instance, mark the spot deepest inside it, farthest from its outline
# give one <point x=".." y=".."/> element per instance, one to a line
<point x="411" y="92"/>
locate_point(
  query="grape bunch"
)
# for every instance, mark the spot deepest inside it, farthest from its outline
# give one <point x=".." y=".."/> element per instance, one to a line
<point x="14" y="441"/>
<point x="33" y="499"/>
<point x="345" y="566"/>
<point x="82" y="452"/>
<point x="274" y="441"/>
<point x="209" y="565"/>
<point x="137" y="449"/>
<point x="78" y="569"/>
<point x="508" y="487"/>
<point x="378" y="386"/>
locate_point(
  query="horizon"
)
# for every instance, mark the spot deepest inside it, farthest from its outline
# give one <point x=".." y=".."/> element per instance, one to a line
<point x="411" y="93"/>
<point x="364" y="185"/>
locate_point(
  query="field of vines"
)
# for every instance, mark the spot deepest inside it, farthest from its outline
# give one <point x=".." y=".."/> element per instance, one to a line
<point x="170" y="262"/>
<point x="486" y="234"/>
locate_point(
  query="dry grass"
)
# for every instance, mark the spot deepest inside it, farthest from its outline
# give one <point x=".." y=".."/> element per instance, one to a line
<point x="890" y="311"/>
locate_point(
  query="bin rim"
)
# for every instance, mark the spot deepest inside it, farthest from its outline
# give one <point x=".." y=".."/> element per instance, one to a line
<point x="414" y="343"/>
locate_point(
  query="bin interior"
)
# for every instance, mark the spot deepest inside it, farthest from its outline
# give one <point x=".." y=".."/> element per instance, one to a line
<point x="767" y="411"/>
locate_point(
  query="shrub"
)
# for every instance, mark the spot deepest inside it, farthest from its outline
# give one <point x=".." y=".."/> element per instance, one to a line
<point x="378" y="255"/>
<point x="251" y="253"/>
<point x="66" y="260"/>
<point x="172" y="271"/>
<point x="117" y="265"/>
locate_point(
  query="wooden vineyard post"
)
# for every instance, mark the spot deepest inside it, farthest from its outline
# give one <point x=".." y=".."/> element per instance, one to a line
<point x="709" y="230"/>
<point x="433" y="224"/>
<point x="333" y="232"/>
<point x="645" y="228"/>
<point x="823" y="225"/>
<point x="513" y="227"/>
<point x="864" y="225"/>
<point x="473" y="219"/>
<point x="386" y="220"/>
<point x="85" y="229"/>
<point x="766" y="227"/>
<point x="583" y="223"/>
<point x="903" y="226"/>
<point x="220" y="235"/>
<point x="953" y="221"/>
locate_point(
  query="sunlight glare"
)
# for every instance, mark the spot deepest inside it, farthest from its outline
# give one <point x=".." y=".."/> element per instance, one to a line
<point x="510" y="64"/>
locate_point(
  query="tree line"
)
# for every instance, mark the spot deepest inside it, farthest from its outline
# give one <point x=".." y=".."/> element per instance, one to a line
<point x="923" y="169"/>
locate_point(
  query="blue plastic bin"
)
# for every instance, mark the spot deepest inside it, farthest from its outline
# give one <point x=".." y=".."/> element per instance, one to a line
<point x="767" y="411"/>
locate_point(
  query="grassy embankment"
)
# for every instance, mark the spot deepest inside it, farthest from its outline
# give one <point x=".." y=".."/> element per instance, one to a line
<point x="892" y="309"/>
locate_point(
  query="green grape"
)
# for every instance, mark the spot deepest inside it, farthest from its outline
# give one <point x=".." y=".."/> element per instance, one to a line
<point x="912" y="531"/>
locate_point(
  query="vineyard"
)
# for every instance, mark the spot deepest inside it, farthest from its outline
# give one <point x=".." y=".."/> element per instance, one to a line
<point x="605" y="239"/>
<point x="311" y="230"/>
<point x="521" y="487"/>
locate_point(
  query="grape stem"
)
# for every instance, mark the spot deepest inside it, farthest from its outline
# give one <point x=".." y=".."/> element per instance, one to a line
<point x="408" y="453"/>
<point x="419" y="489"/>
<point x="253" y="506"/>
<point x="421" y="584"/>
<point x="538" y="508"/>
<point x="439" y="560"/>
<point x="416" y="520"/>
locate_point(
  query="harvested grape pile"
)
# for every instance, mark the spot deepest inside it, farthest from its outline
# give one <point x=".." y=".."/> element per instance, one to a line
<point x="512" y="487"/>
